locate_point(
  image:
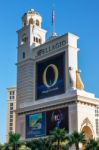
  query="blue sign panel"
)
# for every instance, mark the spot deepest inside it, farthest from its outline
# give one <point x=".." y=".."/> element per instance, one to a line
<point x="50" y="77"/>
<point x="35" y="125"/>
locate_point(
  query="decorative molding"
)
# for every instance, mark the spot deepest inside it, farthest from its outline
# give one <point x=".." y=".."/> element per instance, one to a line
<point x="87" y="100"/>
<point x="86" y="103"/>
<point x="26" y="61"/>
<point x="42" y="109"/>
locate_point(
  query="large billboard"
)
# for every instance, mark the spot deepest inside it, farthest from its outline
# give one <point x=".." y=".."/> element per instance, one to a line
<point x="50" y="77"/>
<point x="35" y="125"/>
<point x="41" y="124"/>
<point x="57" y="119"/>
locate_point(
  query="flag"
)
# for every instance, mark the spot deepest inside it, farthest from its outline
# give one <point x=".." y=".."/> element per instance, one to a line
<point x="53" y="16"/>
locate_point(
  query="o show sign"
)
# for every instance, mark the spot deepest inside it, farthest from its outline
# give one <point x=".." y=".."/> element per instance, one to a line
<point x="50" y="77"/>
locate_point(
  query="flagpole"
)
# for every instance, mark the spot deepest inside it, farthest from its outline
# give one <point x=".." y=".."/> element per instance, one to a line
<point x="53" y="22"/>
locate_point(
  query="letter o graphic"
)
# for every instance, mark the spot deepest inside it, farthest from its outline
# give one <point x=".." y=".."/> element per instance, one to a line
<point x="56" y="73"/>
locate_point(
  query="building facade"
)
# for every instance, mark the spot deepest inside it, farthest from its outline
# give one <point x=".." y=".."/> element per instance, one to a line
<point x="50" y="92"/>
<point x="11" y="107"/>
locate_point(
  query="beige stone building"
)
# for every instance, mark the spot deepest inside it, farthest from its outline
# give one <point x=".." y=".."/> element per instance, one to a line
<point x="50" y="93"/>
<point x="11" y="107"/>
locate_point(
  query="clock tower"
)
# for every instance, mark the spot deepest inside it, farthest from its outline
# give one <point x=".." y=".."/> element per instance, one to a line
<point x="30" y="36"/>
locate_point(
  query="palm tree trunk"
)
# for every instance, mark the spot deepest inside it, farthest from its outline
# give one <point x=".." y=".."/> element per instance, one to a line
<point x="15" y="146"/>
<point x="77" y="146"/>
<point x="58" y="146"/>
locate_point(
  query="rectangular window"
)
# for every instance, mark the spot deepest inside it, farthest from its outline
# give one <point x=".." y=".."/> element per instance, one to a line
<point x="97" y="127"/>
<point x="10" y="92"/>
<point x="11" y="108"/>
<point x="23" y="55"/>
<point x="11" y="112"/>
<point x="11" y="120"/>
<point x="11" y="128"/>
<point x="11" y="104"/>
<point x="11" y="124"/>
<point x="11" y="116"/>
<point x="12" y="97"/>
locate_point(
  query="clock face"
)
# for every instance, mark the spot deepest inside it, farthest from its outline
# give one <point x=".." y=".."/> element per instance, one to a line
<point x="50" y="77"/>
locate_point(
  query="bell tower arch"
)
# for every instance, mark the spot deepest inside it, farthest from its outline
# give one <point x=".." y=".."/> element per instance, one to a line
<point x="30" y="35"/>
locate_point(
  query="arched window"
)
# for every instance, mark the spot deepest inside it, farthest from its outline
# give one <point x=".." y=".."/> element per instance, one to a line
<point x="31" y="21"/>
<point x="24" y="38"/>
<point x="36" y="39"/>
<point x="24" y="22"/>
<point x="40" y="41"/>
<point x="37" y="22"/>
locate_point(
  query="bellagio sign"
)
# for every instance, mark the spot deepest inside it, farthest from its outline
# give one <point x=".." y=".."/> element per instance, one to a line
<point x="52" y="47"/>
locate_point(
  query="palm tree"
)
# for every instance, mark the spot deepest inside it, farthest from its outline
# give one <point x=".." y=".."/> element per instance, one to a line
<point x="49" y="143"/>
<point x="92" y="145"/>
<point x="58" y="136"/>
<point x="5" y="147"/>
<point x="76" y="138"/>
<point x="24" y="147"/>
<point x="1" y="146"/>
<point x="14" y="139"/>
<point x="39" y="144"/>
<point x="34" y="144"/>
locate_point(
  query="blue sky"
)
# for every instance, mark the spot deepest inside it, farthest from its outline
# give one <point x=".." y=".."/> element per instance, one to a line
<point x="80" y="17"/>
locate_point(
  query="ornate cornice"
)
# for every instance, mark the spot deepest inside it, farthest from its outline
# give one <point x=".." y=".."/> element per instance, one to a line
<point x="57" y="103"/>
<point x="24" y="62"/>
<point x="47" y="105"/>
<point x="87" y="100"/>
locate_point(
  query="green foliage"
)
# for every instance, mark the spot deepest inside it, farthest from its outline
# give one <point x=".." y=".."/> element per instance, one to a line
<point x="58" y="134"/>
<point x="1" y="146"/>
<point x="57" y="137"/>
<point x="76" y="138"/>
<point x="58" y="140"/>
<point x="5" y="147"/>
<point x="92" y="145"/>
<point x="14" y="137"/>
<point x="31" y="144"/>
<point x="40" y="144"/>
<point x="23" y="147"/>
<point x="14" y="140"/>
